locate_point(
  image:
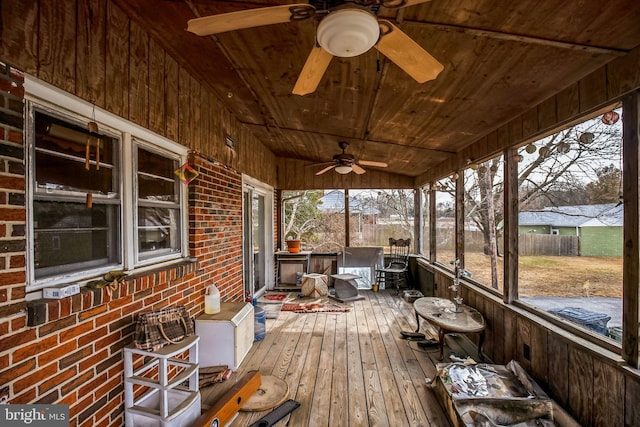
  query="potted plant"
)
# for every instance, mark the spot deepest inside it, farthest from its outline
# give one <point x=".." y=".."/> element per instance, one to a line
<point x="293" y="245"/>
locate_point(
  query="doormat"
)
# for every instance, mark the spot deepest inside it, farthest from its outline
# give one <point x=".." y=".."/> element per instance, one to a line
<point x="275" y="297"/>
<point x="314" y="308"/>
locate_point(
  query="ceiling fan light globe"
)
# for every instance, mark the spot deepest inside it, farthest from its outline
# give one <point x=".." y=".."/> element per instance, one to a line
<point x="348" y="32"/>
<point x="343" y="169"/>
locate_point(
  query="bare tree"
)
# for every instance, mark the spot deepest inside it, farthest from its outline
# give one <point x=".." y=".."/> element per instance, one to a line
<point x="573" y="166"/>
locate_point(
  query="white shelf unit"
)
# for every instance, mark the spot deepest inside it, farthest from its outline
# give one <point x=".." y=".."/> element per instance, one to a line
<point x="166" y="401"/>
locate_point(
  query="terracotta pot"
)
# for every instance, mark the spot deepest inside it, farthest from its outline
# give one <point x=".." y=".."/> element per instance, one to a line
<point x="293" y="246"/>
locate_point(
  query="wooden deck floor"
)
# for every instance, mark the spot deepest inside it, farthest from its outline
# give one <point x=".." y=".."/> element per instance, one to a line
<point x="348" y="369"/>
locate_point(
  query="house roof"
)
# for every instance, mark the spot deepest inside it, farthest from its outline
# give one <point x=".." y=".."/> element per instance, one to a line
<point x="333" y="201"/>
<point x="602" y="215"/>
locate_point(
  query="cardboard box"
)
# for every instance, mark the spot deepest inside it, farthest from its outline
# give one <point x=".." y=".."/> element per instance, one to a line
<point x="63" y="292"/>
<point x="491" y="395"/>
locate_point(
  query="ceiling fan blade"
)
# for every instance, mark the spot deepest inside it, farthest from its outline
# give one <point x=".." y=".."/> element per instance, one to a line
<point x="322" y="163"/>
<point x="374" y="164"/>
<point x="312" y="72"/>
<point x="397" y="4"/>
<point x="357" y="169"/>
<point x="248" y="18"/>
<point x="328" y="168"/>
<point x="407" y="54"/>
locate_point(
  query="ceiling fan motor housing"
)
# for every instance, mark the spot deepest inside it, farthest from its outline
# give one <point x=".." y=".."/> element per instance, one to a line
<point x="348" y="32"/>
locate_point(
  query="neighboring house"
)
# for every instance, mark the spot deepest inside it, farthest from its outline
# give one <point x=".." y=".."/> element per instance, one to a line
<point x="599" y="227"/>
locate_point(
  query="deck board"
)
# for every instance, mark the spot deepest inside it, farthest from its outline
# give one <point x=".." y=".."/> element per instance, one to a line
<point x="348" y="369"/>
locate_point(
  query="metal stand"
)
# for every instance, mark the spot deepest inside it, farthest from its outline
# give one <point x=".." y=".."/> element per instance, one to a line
<point x="346" y="288"/>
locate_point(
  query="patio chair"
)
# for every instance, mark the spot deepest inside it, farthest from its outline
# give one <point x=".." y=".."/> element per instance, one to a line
<point x="394" y="273"/>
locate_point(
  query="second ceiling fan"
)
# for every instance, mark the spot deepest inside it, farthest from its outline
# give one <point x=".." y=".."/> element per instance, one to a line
<point x="345" y="163"/>
<point x="346" y="29"/>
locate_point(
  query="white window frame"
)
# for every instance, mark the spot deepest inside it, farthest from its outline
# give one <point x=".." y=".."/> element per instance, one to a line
<point x="265" y="190"/>
<point x="49" y="98"/>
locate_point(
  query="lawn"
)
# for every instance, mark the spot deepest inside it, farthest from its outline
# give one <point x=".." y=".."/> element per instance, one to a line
<point x="557" y="275"/>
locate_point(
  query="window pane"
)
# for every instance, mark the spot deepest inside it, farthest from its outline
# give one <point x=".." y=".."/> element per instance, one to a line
<point x="54" y="172"/>
<point x="377" y="215"/>
<point x="156" y="178"/>
<point x="571" y="224"/>
<point x="445" y="221"/>
<point x="61" y="151"/>
<point x="69" y="237"/>
<point x="315" y="217"/>
<point x="483" y="222"/>
<point x="158" y="230"/>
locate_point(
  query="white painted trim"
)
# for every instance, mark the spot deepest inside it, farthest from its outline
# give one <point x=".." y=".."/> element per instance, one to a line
<point x="48" y="97"/>
<point x="266" y="191"/>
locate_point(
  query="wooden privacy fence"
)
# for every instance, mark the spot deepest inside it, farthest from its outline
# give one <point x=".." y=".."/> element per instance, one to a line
<point x="548" y="244"/>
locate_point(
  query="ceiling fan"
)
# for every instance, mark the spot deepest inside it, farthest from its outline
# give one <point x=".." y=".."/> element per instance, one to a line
<point x="345" y="163"/>
<point x="347" y="28"/>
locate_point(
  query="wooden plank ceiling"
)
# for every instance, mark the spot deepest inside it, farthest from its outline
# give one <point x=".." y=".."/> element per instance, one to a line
<point x="500" y="58"/>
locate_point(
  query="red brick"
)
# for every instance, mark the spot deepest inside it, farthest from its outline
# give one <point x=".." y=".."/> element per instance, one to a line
<point x="121" y="302"/>
<point x="93" y="312"/>
<point x="91" y="386"/>
<point x="56" y="326"/>
<point x="12" y="183"/>
<point x="53" y="310"/>
<point x="107" y="318"/>
<point x="12" y="214"/>
<point x="16" y="371"/>
<point x="80" y="406"/>
<point x="107" y="341"/>
<point x="12" y="278"/>
<point x="38" y="375"/>
<point x="18" y="292"/>
<point x="132" y="308"/>
<point x="75" y="332"/>
<point x="4" y="362"/>
<point x="14" y="340"/>
<point x="65" y="307"/>
<point x="93" y="360"/>
<point x="27" y="396"/>
<point x="56" y="353"/>
<point x="15" y="136"/>
<point x="56" y="380"/>
<point x="93" y="336"/>
<point x="16" y="261"/>
<point x="107" y="409"/>
<point x="77" y="382"/>
<point x="34" y="349"/>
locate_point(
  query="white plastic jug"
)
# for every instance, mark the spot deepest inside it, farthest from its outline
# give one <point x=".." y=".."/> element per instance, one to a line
<point x="211" y="300"/>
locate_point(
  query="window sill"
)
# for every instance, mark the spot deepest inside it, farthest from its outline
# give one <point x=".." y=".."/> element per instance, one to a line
<point x="41" y="311"/>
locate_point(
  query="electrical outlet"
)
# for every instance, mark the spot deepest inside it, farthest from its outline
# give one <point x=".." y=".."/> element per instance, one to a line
<point x="229" y="142"/>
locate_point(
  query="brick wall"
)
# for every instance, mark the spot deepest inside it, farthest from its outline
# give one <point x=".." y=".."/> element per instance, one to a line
<point x="70" y="350"/>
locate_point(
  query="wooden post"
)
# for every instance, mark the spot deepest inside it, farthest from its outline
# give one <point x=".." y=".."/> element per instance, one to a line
<point x="631" y="263"/>
<point x="346" y="218"/>
<point x="459" y="219"/>
<point x="418" y="221"/>
<point x="510" y="226"/>
<point x="432" y="223"/>
<point x="279" y="220"/>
